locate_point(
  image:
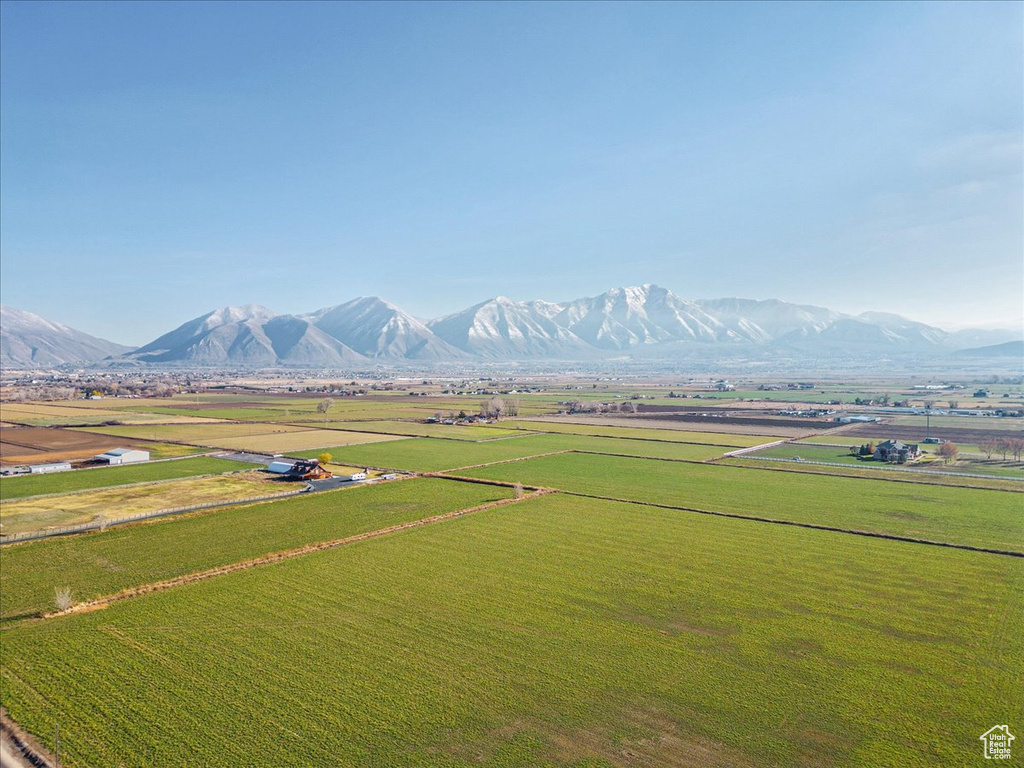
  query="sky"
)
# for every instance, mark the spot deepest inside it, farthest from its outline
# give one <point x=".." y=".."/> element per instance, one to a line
<point x="160" y="160"/>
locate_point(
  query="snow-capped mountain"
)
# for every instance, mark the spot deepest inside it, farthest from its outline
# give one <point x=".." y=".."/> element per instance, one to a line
<point x="645" y="321"/>
<point x="622" y="318"/>
<point x="28" y="340"/>
<point x="770" y="319"/>
<point x="377" y="328"/>
<point x="502" y="328"/>
<point x="247" y="335"/>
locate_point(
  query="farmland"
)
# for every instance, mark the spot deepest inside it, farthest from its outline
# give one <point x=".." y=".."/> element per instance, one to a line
<point x="559" y="628"/>
<point x="66" y="482"/>
<point x="121" y="558"/>
<point x="957" y="515"/>
<point x="554" y="631"/>
<point x="38" y="513"/>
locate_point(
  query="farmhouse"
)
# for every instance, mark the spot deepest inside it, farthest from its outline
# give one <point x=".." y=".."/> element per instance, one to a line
<point x="895" y="452"/>
<point x="123" y="456"/>
<point x="301" y="469"/>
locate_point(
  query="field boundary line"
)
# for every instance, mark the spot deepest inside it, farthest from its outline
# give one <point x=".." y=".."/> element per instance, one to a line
<point x="885" y="468"/>
<point x="276" y="557"/>
<point x="905" y="476"/>
<point x="508" y="461"/>
<point x="798" y="524"/>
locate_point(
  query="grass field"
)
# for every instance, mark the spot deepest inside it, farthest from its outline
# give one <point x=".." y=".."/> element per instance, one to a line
<point x="556" y="631"/>
<point x="204" y="434"/>
<point x="644" y="433"/>
<point x="432" y="455"/>
<point x="98" y="564"/>
<point x="431" y="430"/>
<point x="965" y="464"/>
<point x="47" y="415"/>
<point x="957" y="515"/>
<point x="924" y="478"/>
<point x="306" y="440"/>
<point x="35" y="514"/>
<point x="66" y="482"/>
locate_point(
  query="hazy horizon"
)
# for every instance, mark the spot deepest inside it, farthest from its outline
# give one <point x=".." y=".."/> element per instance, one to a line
<point x="163" y="160"/>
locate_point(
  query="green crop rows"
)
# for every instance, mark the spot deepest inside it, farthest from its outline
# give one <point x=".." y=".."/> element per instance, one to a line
<point x="958" y="515"/>
<point x="104" y="563"/>
<point x="555" y="631"/>
<point x="432" y="455"/>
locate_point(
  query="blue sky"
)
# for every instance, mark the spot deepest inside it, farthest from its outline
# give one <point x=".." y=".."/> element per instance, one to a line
<point x="159" y="160"/>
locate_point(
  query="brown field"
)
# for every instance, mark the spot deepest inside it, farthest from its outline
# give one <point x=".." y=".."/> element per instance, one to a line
<point x="917" y="433"/>
<point x="112" y="503"/>
<point x="21" y="445"/>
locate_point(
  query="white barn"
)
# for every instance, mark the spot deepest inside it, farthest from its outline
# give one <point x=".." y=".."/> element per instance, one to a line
<point x="123" y="456"/>
<point x="43" y="469"/>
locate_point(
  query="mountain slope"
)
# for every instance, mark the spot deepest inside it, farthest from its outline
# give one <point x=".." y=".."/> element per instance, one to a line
<point x="28" y="340"/>
<point x="502" y="328"/>
<point x="377" y="328"/>
<point x="248" y="335"/>
<point x="622" y="318"/>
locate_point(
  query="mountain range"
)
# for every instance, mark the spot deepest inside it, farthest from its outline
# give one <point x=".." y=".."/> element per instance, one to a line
<point x="646" y="319"/>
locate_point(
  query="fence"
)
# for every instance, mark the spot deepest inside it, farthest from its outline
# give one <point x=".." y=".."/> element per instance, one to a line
<point x="102" y="524"/>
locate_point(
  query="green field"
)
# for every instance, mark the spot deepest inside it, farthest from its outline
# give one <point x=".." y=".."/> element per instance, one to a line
<point x="120" y="558"/>
<point x="19" y="487"/>
<point x="964" y="464"/>
<point x="957" y="515"/>
<point x="432" y="455"/>
<point x="642" y="433"/>
<point x="557" y="631"/>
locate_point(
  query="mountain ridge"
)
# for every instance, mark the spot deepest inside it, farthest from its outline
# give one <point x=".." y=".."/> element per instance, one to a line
<point x="645" y="320"/>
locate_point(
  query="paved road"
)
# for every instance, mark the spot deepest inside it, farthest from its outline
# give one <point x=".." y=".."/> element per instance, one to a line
<point x="252" y="458"/>
<point x="10" y="757"/>
<point x="333" y="482"/>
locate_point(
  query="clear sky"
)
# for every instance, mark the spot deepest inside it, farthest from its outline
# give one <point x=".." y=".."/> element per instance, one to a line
<point x="159" y="160"/>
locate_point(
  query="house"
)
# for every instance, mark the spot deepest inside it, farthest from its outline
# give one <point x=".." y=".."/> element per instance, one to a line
<point x="123" y="456"/>
<point x="895" y="452"/>
<point x="280" y="467"/>
<point x="307" y="469"/>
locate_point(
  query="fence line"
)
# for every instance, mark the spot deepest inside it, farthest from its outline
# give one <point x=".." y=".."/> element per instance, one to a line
<point x="102" y="524"/>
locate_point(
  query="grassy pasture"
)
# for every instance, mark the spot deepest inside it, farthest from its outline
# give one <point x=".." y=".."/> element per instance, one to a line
<point x="97" y="564"/>
<point x="208" y="434"/>
<point x="305" y="440"/>
<point x="643" y="433"/>
<point x="47" y="416"/>
<point x="558" y="631"/>
<point x="924" y="478"/>
<point x="1000" y="426"/>
<point x="38" y="513"/>
<point x="956" y="515"/>
<point x="432" y="455"/>
<point x="19" y="487"/>
<point x="966" y="464"/>
<point x="415" y="428"/>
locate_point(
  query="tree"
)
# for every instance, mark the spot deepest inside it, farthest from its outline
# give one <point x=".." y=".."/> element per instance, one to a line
<point x="517" y="490"/>
<point x="988" y="447"/>
<point x="324" y="458"/>
<point x="324" y="405"/>
<point x="954" y="404"/>
<point x="1017" y="447"/>
<point x="62" y="597"/>
<point x="629" y="407"/>
<point x="1004" y="446"/>
<point x="948" y="451"/>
